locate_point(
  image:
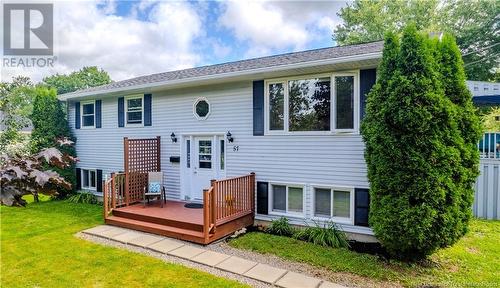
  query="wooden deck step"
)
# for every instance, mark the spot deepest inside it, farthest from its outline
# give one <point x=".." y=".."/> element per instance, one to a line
<point x="169" y="231"/>
<point x="158" y="219"/>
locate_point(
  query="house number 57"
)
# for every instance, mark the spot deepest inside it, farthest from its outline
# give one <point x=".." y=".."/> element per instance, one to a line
<point x="236" y="148"/>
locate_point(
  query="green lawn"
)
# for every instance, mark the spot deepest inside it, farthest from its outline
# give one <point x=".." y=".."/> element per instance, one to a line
<point x="39" y="249"/>
<point x="474" y="260"/>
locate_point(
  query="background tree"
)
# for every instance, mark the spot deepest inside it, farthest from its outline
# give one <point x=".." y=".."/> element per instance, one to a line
<point x="81" y="79"/>
<point x="16" y="99"/>
<point x="475" y="24"/>
<point x="418" y="132"/>
<point x="49" y="124"/>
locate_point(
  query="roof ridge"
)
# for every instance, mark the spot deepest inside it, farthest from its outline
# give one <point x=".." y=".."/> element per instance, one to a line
<point x="307" y="55"/>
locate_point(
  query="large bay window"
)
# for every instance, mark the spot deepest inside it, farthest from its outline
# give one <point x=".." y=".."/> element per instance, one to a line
<point x="324" y="103"/>
<point x="287" y="199"/>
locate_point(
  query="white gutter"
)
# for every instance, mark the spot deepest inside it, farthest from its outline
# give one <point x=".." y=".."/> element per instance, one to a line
<point x="220" y="76"/>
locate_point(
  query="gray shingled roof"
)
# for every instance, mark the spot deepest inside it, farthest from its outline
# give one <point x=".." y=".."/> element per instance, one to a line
<point x="243" y="65"/>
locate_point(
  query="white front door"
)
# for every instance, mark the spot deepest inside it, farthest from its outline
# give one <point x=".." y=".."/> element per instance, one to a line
<point x="207" y="162"/>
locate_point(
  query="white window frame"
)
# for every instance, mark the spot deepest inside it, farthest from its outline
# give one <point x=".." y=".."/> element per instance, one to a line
<point x="82" y="126"/>
<point x="355" y="128"/>
<point x="198" y="100"/>
<point x="333" y="130"/>
<point x="89" y="188"/>
<point x="332" y="188"/>
<point x="287" y="213"/>
<point x="126" y="111"/>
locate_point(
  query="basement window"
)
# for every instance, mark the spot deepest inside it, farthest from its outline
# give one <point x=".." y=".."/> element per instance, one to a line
<point x="89" y="179"/>
<point x="287" y="199"/>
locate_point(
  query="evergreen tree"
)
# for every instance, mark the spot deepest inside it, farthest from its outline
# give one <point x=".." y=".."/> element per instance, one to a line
<point x="49" y="125"/>
<point x="415" y="144"/>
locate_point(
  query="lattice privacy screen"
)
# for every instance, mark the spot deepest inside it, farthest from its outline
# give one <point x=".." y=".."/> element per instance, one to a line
<point x="141" y="156"/>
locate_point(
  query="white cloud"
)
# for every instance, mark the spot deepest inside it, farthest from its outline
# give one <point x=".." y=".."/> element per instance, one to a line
<point x="278" y="25"/>
<point x="87" y="33"/>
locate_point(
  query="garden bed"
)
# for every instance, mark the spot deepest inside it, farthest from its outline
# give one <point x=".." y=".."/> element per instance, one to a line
<point x="471" y="261"/>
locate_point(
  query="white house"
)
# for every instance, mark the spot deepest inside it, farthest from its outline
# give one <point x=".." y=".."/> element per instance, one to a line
<point x="293" y="119"/>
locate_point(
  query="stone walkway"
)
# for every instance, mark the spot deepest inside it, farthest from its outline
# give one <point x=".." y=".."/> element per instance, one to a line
<point x="191" y="252"/>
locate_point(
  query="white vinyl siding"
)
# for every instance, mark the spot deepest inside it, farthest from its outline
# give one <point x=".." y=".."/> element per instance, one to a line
<point x="286" y="158"/>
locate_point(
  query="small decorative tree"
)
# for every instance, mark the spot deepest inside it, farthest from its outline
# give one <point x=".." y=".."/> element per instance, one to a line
<point x="26" y="175"/>
<point x="419" y="139"/>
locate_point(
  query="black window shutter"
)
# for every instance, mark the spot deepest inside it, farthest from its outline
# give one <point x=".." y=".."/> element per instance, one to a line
<point x="258" y="108"/>
<point x="99" y="180"/>
<point x="147" y="109"/>
<point x="121" y="108"/>
<point x="77" y="115"/>
<point x="262" y="197"/>
<point x="98" y="113"/>
<point x="78" y="172"/>
<point x="367" y="79"/>
<point x="362" y="206"/>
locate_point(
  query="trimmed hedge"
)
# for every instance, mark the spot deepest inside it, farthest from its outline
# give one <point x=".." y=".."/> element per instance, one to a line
<point x="420" y="132"/>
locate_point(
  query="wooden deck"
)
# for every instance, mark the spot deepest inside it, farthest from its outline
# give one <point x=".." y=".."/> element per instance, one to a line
<point x="173" y="220"/>
<point x="228" y="204"/>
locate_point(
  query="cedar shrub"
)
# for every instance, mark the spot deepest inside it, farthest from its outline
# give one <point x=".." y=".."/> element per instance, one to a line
<point x="420" y="140"/>
<point x="50" y="125"/>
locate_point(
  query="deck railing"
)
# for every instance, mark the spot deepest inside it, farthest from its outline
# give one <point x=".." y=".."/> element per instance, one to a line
<point x="489" y="145"/>
<point x="114" y="193"/>
<point x="227" y="200"/>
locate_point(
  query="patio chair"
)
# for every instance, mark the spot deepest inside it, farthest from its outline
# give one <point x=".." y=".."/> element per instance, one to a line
<point x="155" y="188"/>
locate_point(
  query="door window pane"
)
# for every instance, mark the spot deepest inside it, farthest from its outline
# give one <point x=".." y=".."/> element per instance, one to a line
<point x="188" y="152"/>
<point x="276" y="106"/>
<point x="222" y="155"/>
<point x="322" y="202"/>
<point x="205" y="154"/>
<point x="344" y="102"/>
<point x="295" y="199"/>
<point x="309" y="104"/>
<point x="341" y="204"/>
<point x="279" y="198"/>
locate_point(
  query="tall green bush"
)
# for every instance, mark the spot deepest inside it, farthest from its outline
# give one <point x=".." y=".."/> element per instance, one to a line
<point x="50" y="124"/>
<point x="418" y="134"/>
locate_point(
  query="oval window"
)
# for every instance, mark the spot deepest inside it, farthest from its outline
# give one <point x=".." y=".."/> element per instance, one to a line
<point x="201" y="108"/>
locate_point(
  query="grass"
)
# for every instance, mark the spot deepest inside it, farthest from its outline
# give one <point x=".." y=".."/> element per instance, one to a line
<point x="474" y="260"/>
<point x="39" y="249"/>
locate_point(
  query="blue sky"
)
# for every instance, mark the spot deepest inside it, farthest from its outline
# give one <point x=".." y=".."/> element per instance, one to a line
<point x="133" y="38"/>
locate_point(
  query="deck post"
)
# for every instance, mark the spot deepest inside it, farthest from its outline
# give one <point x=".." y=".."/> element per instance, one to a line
<point x="213" y="207"/>
<point x="125" y="160"/>
<point x="252" y="189"/>
<point x="206" y="215"/>
<point x="158" y="158"/>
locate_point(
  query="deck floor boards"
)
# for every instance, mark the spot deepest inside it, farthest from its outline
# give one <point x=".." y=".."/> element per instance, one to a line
<point x="172" y="210"/>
